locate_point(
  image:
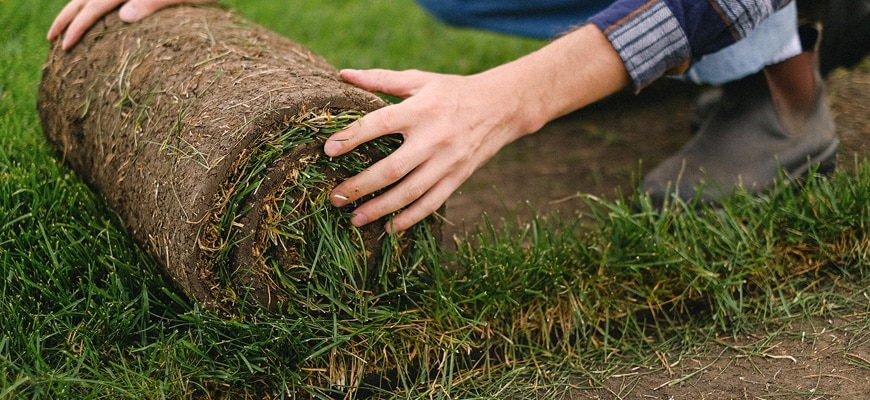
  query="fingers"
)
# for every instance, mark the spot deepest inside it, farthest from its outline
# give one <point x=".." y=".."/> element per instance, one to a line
<point x="376" y="124"/>
<point x="402" y="166"/>
<point x="423" y="177"/>
<point x="420" y="191"/>
<point x="418" y="174"/>
<point x="76" y="17"/>
<point x="79" y="15"/>
<point x="420" y="194"/>
<point x="63" y="19"/>
<point x="380" y="175"/>
<point x="380" y="122"/>
<point x="396" y="83"/>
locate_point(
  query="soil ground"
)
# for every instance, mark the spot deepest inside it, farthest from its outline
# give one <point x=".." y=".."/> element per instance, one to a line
<point x="602" y="150"/>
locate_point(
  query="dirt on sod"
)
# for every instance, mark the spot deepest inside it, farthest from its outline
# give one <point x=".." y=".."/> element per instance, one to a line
<point x="204" y="132"/>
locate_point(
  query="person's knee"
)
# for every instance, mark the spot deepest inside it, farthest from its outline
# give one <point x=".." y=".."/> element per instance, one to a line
<point x="539" y="18"/>
<point x="492" y="15"/>
<point x="448" y="12"/>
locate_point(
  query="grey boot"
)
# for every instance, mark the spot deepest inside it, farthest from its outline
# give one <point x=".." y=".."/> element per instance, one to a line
<point x="743" y="143"/>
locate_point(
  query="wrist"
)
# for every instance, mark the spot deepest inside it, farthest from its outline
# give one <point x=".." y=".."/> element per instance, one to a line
<point x="572" y="72"/>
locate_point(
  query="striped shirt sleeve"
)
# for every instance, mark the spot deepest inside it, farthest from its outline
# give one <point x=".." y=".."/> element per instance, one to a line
<point x="658" y="37"/>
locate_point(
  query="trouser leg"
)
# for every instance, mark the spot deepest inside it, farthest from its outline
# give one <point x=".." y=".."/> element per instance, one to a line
<point x="533" y="18"/>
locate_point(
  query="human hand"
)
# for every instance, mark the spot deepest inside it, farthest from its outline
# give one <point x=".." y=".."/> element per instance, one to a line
<point x="451" y="126"/>
<point x="79" y="15"/>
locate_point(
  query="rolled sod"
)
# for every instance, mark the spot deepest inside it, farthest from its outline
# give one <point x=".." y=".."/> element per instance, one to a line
<point x="204" y="132"/>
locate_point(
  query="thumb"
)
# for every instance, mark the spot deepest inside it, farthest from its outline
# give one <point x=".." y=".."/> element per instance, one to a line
<point x="396" y="83"/>
<point x="135" y="10"/>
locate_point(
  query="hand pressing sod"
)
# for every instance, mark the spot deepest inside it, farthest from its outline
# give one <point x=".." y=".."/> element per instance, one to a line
<point x="450" y="125"/>
<point x="453" y="124"/>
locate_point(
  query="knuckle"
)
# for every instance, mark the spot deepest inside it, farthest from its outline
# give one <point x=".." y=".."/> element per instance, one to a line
<point x="413" y="191"/>
<point x="385" y="120"/>
<point x="396" y="170"/>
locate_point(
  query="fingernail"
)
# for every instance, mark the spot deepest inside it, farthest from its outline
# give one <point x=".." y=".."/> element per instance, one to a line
<point x="339" y="199"/>
<point x="129" y="13"/>
<point x="359" y="220"/>
<point x="331" y="148"/>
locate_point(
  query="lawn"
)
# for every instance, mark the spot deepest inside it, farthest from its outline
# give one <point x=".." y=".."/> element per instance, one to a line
<point x="548" y="309"/>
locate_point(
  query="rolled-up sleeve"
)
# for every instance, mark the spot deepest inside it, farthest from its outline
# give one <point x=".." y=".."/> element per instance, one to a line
<point x="658" y="37"/>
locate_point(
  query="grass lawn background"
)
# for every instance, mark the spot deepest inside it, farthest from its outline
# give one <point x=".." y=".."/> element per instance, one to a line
<point x="86" y="314"/>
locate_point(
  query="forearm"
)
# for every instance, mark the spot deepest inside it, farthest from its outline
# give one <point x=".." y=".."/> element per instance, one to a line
<point x="573" y="71"/>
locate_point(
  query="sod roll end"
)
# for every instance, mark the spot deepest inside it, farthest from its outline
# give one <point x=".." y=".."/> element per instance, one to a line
<point x="204" y="132"/>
